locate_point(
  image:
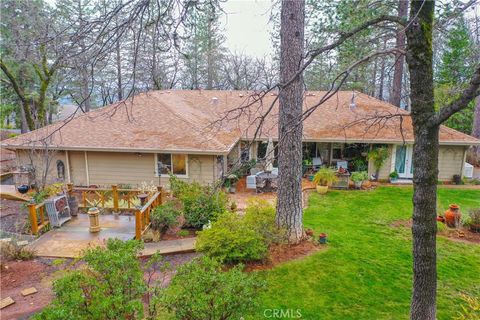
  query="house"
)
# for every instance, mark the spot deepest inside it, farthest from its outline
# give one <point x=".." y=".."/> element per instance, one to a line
<point x="199" y="135"/>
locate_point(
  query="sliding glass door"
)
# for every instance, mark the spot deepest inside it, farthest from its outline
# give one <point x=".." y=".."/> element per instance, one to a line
<point x="403" y="161"/>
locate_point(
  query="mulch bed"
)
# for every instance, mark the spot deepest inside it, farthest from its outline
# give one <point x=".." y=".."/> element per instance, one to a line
<point x="192" y="233"/>
<point x="284" y="252"/>
<point x="461" y="235"/>
<point x="13" y="216"/>
<point x="19" y="275"/>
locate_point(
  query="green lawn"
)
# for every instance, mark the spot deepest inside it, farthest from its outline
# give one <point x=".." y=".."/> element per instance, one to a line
<point x="366" y="271"/>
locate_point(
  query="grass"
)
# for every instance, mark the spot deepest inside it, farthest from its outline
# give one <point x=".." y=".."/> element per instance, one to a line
<point x="365" y="272"/>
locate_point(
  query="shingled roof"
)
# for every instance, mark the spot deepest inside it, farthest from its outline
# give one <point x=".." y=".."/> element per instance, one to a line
<point x="201" y="121"/>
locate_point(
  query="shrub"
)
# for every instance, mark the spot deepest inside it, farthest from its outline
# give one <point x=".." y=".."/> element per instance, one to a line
<point x="358" y="176"/>
<point x="441" y="226"/>
<point x="201" y="208"/>
<point x="183" y="233"/>
<point x="165" y="216"/>
<point x="233" y="238"/>
<point x="474" y="215"/>
<point x="325" y="176"/>
<point x="260" y="216"/>
<point x="10" y="251"/>
<point x="378" y="156"/>
<point x="201" y="290"/>
<point x="111" y="287"/>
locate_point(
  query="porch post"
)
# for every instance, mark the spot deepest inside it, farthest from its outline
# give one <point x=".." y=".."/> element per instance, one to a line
<point x="33" y="217"/>
<point x="115" y="197"/>
<point x="138" y="225"/>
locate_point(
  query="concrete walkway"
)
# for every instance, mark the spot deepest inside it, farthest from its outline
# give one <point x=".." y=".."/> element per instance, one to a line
<point x="74" y="237"/>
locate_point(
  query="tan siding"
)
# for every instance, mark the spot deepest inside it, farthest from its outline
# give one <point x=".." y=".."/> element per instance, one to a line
<point x="78" y="174"/>
<point x="106" y="168"/>
<point x="42" y="163"/>
<point x="450" y="161"/>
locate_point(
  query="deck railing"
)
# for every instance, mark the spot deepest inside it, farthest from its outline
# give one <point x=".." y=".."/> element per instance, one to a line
<point x="112" y="198"/>
<point x="37" y="214"/>
<point x="142" y="215"/>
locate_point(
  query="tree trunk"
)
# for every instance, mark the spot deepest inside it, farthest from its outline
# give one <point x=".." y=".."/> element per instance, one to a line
<point x="289" y="208"/>
<point x="425" y="161"/>
<point x="396" y="95"/>
<point x="382" y="72"/>
<point x="476" y="130"/>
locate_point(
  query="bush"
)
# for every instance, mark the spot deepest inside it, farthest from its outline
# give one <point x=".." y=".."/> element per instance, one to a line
<point x="203" y="207"/>
<point x="325" y="176"/>
<point x="441" y="226"/>
<point x="111" y="287"/>
<point x="199" y="204"/>
<point x="201" y="290"/>
<point x="474" y="215"/>
<point x="358" y="176"/>
<point x="260" y="215"/>
<point x="165" y="216"/>
<point x="9" y="251"/>
<point x="233" y="238"/>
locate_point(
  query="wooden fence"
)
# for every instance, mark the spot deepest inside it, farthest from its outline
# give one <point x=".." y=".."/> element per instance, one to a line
<point x="112" y="198"/>
<point x="37" y="214"/>
<point x="142" y="216"/>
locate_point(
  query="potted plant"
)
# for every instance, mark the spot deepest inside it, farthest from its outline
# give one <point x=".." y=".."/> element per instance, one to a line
<point x="358" y="177"/>
<point x="323" y="178"/>
<point x="230" y="183"/>
<point x="378" y="156"/>
<point x="393" y="176"/>
<point x="474" y="220"/>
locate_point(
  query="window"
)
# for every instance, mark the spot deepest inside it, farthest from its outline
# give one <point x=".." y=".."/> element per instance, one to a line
<point x="171" y="163"/>
<point x="244" y="151"/>
<point x="262" y="149"/>
<point x="337" y="151"/>
<point x="60" y="169"/>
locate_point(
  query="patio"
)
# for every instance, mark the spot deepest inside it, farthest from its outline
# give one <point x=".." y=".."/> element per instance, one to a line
<point x="74" y="236"/>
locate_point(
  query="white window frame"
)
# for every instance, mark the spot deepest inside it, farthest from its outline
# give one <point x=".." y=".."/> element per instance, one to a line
<point x="166" y="175"/>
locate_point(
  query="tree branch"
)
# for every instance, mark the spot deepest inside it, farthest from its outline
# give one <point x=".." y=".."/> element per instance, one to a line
<point x="462" y="102"/>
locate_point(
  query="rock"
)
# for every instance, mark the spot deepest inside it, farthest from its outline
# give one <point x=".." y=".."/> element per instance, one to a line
<point x="29" y="291"/>
<point x="6" y="302"/>
<point x="22" y="243"/>
<point x="366" y="185"/>
<point x="6" y="240"/>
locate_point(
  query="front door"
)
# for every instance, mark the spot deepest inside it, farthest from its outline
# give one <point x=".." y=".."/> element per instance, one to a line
<point x="403" y="161"/>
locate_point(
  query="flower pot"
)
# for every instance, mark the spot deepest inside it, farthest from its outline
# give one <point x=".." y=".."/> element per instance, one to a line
<point x="358" y="184"/>
<point x="322" y="239"/>
<point x="475" y="227"/>
<point x="393" y="180"/>
<point x="233" y="189"/>
<point x="441" y="219"/>
<point x="23" y="188"/>
<point x="453" y="215"/>
<point x="322" y="189"/>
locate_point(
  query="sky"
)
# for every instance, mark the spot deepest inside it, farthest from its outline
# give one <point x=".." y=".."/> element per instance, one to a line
<point x="246" y="26"/>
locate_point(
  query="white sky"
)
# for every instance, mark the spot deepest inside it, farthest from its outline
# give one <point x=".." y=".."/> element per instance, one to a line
<point x="246" y="26"/>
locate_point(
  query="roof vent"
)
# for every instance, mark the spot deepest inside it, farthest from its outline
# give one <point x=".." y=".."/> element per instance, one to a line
<point x="241" y="95"/>
<point x="214" y="101"/>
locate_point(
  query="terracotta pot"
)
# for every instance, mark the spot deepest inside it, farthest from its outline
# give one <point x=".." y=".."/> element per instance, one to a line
<point x="322" y="189"/>
<point x="453" y="215"/>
